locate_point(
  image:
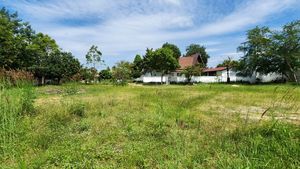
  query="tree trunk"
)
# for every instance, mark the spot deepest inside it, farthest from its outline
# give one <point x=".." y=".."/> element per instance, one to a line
<point x="161" y="79"/>
<point x="228" y="78"/>
<point x="43" y="80"/>
<point x="292" y="71"/>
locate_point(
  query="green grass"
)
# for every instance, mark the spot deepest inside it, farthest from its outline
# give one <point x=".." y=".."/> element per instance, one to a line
<point x="202" y="126"/>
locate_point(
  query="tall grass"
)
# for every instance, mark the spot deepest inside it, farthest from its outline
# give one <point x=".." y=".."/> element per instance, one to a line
<point x="15" y="102"/>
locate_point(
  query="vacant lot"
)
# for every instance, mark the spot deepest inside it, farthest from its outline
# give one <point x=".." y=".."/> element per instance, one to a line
<point x="201" y="126"/>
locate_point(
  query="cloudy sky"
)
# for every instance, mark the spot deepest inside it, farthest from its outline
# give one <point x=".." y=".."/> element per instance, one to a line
<point x="124" y="28"/>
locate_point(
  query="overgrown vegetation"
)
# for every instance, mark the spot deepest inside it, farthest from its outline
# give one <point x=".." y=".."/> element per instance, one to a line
<point x="104" y="126"/>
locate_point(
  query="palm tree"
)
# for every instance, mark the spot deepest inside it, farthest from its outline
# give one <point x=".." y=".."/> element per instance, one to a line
<point x="229" y="64"/>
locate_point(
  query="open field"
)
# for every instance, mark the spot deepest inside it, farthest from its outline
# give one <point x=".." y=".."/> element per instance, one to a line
<point x="201" y="126"/>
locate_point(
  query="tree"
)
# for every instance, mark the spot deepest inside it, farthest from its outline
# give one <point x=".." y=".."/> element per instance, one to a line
<point x="174" y="48"/>
<point x="63" y="65"/>
<point x="105" y="74"/>
<point x="229" y="64"/>
<point x="137" y="67"/>
<point x="161" y="60"/>
<point x="93" y="56"/>
<point x="267" y="52"/>
<point x="121" y="73"/>
<point x="192" y="71"/>
<point x="22" y="48"/>
<point x="15" y="35"/>
<point x="256" y="52"/>
<point x="286" y="50"/>
<point x="195" y="48"/>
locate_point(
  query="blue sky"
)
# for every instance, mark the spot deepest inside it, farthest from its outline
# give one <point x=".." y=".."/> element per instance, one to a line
<point x="124" y="28"/>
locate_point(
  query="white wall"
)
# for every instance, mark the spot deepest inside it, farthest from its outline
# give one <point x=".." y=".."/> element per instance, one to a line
<point x="147" y="78"/>
<point x="153" y="79"/>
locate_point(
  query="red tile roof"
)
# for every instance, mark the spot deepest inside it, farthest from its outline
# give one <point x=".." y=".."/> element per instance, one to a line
<point x="187" y="61"/>
<point x="214" y="69"/>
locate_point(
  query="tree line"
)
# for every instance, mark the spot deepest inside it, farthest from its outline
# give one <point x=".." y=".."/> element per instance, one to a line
<point x="21" y="48"/>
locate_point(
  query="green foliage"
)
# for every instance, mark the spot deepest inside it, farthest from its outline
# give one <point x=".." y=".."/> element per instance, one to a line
<point x="88" y="74"/>
<point x="174" y="48"/>
<point x="195" y="48"/>
<point x="192" y="71"/>
<point x="122" y="72"/>
<point x="266" y="51"/>
<point x="137" y="67"/>
<point x="105" y="74"/>
<point x="22" y="48"/>
<point x="229" y="63"/>
<point x="161" y="60"/>
<point x="256" y="52"/>
<point x="286" y="50"/>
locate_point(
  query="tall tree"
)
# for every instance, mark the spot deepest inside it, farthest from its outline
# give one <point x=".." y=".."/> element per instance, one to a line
<point x="137" y="67"/>
<point x="286" y="50"/>
<point x="256" y="52"/>
<point x="196" y="48"/>
<point x="93" y="56"/>
<point x="161" y="60"/>
<point x="174" y="48"/>
<point x="266" y="51"/>
<point x="229" y="64"/>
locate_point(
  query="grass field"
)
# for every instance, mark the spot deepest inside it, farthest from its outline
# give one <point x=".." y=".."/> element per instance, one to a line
<point x="200" y="126"/>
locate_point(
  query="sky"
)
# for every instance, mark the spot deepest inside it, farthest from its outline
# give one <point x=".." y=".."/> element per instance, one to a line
<point x="123" y="28"/>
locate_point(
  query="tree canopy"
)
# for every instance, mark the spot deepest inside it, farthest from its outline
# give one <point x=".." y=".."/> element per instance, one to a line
<point x="22" y="48"/>
<point x="196" y="48"/>
<point x="93" y="56"/>
<point x="267" y="51"/>
<point x="161" y="60"/>
<point x="174" y="48"/>
<point x="137" y="67"/>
